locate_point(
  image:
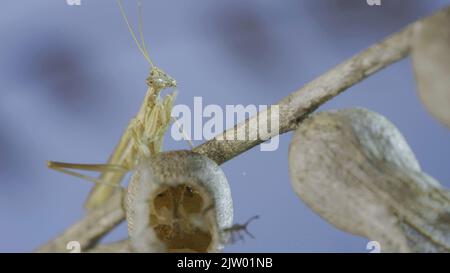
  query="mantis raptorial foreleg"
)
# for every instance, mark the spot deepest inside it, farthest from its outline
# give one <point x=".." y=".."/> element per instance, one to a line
<point x="143" y="137"/>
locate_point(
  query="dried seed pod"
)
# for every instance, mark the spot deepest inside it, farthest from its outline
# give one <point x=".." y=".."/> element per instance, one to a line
<point x="431" y="60"/>
<point x="355" y="169"/>
<point x="178" y="201"/>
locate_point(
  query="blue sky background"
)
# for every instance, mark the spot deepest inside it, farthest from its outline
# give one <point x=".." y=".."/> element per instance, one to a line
<point x="71" y="78"/>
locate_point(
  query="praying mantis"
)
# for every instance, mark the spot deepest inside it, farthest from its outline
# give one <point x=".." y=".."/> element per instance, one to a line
<point x="192" y="208"/>
<point x="142" y="138"/>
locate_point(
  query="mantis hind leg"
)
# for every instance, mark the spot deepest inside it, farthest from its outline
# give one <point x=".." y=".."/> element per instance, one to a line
<point x="68" y="168"/>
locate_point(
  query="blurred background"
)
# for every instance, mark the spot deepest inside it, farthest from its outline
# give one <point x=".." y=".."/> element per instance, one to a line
<point x="71" y="79"/>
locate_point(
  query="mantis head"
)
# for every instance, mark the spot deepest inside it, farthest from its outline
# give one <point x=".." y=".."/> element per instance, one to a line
<point x="158" y="79"/>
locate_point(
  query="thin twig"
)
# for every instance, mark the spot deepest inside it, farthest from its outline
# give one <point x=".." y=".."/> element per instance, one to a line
<point x="299" y="104"/>
<point x="91" y="228"/>
<point x="292" y="109"/>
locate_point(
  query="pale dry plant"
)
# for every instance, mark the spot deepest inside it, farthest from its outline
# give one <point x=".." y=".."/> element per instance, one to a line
<point x="372" y="184"/>
<point x="176" y="201"/>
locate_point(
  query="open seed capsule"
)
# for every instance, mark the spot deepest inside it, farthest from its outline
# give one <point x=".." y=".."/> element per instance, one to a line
<point x="178" y="201"/>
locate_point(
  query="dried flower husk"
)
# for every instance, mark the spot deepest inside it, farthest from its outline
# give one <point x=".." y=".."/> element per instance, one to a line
<point x="355" y="169"/>
<point x="178" y="201"/>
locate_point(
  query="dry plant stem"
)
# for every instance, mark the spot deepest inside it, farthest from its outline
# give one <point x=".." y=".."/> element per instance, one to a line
<point x="293" y="109"/>
<point x="91" y="228"/>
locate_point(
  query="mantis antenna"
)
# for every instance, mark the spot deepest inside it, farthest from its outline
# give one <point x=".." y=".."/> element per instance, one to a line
<point x="142" y="47"/>
<point x="140" y="28"/>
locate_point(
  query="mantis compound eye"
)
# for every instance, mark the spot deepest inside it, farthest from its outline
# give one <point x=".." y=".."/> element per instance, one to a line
<point x="178" y="201"/>
<point x="158" y="79"/>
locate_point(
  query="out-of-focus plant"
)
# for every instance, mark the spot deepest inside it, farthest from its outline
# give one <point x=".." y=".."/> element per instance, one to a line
<point x="352" y="167"/>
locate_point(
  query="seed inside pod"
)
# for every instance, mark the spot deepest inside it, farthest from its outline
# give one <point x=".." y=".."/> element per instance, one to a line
<point x="178" y="201"/>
